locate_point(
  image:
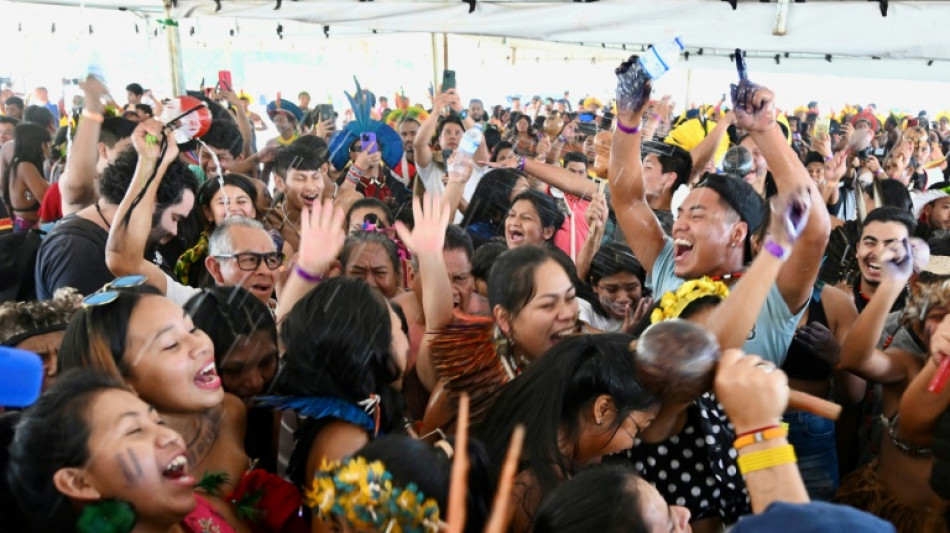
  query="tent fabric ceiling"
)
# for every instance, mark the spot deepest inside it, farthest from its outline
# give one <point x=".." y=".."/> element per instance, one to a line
<point x="855" y="28"/>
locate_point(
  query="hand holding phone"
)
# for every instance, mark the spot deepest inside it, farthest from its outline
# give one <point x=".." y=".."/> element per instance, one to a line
<point x="224" y="81"/>
<point x="448" y="80"/>
<point x="368" y="142"/>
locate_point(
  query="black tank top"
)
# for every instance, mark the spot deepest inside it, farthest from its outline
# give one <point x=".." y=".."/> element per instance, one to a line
<point x="800" y="362"/>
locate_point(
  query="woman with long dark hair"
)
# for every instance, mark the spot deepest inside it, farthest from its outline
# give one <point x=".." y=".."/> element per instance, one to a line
<point x="485" y="217"/>
<point x="533" y="218"/>
<point x="578" y="403"/>
<point x="345" y="352"/>
<point x="23" y="182"/>
<point x="522" y="135"/>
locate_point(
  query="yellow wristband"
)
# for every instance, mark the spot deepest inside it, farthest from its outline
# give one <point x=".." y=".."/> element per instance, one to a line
<point x="767" y="459"/>
<point x="759" y="436"/>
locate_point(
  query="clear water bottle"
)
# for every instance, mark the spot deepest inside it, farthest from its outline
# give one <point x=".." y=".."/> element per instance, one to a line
<point x="660" y="59"/>
<point x="468" y="145"/>
<point x="631" y="76"/>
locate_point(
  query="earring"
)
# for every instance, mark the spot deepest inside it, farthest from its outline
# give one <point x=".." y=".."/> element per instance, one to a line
<point x="600" y="421"/>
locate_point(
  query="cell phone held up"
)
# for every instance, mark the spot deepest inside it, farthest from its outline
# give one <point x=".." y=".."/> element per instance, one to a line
<point x="368" y="142"/>
<point x="224" y="81"/>
<point x="448" y="80"/>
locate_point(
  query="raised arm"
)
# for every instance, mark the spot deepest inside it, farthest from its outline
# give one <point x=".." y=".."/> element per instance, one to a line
<point x="77" y="186"/>
<point x="243" y="123"/>
<point x="125" y="249"/>
<point x="733" y="319"/>
<point x="321" y="240"/>
<point x="426" y="241"/>
<point x="755" y="112"/>
<point x="420" y="145"/>
<point x="704" y="152"/>
<point x="920" y="408"/>
<point x="738" y="378"/>
<point x="596" y="218"/>
<point x="627" y="193"/>
<point x="859" y="353"/>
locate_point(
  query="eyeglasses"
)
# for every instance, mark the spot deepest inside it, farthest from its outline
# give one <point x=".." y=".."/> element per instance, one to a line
<point x="107" y="294"/>
<point x="250" y="261"/>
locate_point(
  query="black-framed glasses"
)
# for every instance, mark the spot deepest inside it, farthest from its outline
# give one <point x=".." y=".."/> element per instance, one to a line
<point x="250" y="261"/>
<point x="108" y="293"/>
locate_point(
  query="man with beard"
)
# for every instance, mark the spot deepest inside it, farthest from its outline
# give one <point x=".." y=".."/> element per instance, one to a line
<point x="74" y="253"/>
<point x="883" y="228"/>
<point x="476" y="111"/>
<point x="240" y="251"/>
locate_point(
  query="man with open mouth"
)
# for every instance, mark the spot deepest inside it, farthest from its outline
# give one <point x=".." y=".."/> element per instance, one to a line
<point x="711" y="236"/>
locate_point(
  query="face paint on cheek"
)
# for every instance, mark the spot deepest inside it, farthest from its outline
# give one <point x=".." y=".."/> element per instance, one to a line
<point x="131" y="469"/>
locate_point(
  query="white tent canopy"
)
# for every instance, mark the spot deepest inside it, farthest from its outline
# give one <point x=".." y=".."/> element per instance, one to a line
<point x="534" y="47"/>
<point x="855" y="28"/>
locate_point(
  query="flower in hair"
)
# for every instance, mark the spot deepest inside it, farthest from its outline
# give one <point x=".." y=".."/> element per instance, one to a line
<point x="673" y="303"/>
<point x="363" y="494"/>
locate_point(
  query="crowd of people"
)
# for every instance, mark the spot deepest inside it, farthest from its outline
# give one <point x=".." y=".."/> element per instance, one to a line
<point x="613" y="317"/>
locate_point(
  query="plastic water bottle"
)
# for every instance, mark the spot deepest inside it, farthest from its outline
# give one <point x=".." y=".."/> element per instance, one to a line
<point x="468" y="145"/>
<point x="655" y="62"/>
<point x="660" y="59"/>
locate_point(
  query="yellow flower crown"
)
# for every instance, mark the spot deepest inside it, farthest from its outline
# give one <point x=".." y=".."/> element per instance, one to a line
<point x="673" y="302"/>
<point x="363" y="495"/>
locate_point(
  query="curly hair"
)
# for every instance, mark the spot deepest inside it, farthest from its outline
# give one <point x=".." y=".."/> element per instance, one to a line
<point x="117" y="177"/>
<point x="19" y="319"/>
<point x="925" y="297"/>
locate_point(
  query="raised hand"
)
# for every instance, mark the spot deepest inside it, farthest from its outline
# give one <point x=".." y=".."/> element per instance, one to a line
<point x="321" y="237"/>
<point x="740" y="377"/>
<point x="635" y="314"/>
<point x="897" y="261"/>
<point x="94" y="91"/>
<point x="366" y="160"/>
<point x="820" y="341"/>
<point x="596" y="214"/>
<point x="633" y="88"/>
<point x="460" y="169"/>
<point x="754" y="106"/>
<point x="789" y="216"/>
<point x="146" y="138"/>
<point x="428" y="234"/>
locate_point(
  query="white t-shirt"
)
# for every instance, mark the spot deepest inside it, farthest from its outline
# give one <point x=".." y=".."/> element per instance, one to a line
<point x="594" y="320"/>
<point x="433" y="178"/>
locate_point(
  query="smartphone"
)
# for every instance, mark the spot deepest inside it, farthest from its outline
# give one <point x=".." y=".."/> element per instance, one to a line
<point x="740" y="65"/>
<point x="823" y="125"/>
<point x="448" y="80"/>
<point x="224" y="81"/>
<point x="325" y="112"/>
<point x="368" y="141"/>
<point x="585" y="117"/>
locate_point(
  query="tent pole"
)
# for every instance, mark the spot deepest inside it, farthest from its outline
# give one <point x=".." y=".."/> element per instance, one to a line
<point x="689" y="88"/>
<point x="445" y="51"/>
<point x="174" y="52"/>
<point x="435" y="64"/>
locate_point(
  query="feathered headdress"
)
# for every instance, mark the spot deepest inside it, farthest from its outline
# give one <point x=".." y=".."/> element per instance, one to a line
<point x="388" y="141"/>
<point x="363" y="495"/>
<point x="691" y="132"/>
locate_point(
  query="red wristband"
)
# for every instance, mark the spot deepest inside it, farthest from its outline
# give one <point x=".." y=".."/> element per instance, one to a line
<point x="754" y="431"/>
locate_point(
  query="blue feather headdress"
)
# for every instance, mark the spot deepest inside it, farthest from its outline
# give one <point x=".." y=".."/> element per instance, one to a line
<point x="389" y="142"/>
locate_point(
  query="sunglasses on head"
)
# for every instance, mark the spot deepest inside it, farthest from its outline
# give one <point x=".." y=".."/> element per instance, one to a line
<point x="108" y="293"/>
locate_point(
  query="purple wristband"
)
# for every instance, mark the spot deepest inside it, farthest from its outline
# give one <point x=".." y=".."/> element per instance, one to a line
<point x="627" y="130"/>
<point x="312" y="278"/>
<point x="775" y="249"/>
<point x="521" y="164"/>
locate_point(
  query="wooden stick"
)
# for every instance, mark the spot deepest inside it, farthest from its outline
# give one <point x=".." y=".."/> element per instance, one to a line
<point x="459" y="483"/>
<point x="498" y="523"/>
<point x="813" y="404"/>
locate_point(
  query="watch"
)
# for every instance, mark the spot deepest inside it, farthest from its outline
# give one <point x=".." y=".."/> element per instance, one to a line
<point x="463" y="113"/>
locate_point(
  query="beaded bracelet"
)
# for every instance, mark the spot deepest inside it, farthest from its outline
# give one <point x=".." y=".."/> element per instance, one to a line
<point x="761" y="460"/>
<point x="760" y="436"/>
<point x="629" y="131"/>
<point x="312" y="278"/>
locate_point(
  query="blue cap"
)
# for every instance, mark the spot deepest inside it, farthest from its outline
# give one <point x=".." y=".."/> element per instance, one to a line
<point x="814" y="517"/>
